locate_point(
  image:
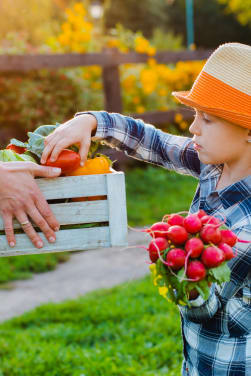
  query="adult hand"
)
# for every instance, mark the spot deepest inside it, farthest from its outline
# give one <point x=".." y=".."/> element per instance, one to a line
<point x="75" y="131"/>
<point x="20" y="197"/>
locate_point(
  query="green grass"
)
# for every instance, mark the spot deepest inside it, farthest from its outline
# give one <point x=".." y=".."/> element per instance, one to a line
<point x="153" y="192"/>
<point x="22" y="267"/>
<point x="127" y="330"/>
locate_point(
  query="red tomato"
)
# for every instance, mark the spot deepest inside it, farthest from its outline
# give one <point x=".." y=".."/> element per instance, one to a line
<point x="16" y="149"/>
<point x="68" y="160"/>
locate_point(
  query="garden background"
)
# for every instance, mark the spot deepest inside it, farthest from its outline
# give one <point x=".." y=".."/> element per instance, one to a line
<point x="128" y="330"/>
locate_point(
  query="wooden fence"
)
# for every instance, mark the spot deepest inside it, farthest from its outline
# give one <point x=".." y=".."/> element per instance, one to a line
<point x="109" y="60"/>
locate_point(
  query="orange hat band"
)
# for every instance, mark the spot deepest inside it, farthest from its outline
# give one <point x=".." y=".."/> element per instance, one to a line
<point x="212" y="95"/>
<point x="212" y="92"/>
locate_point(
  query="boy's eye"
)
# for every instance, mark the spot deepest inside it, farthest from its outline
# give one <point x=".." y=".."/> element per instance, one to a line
<point x="206" y="119"/>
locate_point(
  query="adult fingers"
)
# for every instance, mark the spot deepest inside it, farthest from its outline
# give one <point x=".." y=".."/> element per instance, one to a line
<point x="42" y="224"/>
<point x="28" y="229"/>
<point x="9" y="231"/>
<point x="45" y="171"/>
<point x="45" y="211"/>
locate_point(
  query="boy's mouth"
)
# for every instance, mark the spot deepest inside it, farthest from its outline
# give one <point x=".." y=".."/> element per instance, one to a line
<point x="197" y="146"/>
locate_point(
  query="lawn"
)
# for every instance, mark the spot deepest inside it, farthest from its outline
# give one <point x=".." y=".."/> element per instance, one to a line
<point x="127" y="330"/>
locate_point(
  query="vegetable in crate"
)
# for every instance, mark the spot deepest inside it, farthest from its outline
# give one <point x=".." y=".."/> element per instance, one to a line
<point x="188" y="254"/>
<point x="69" y="159"/>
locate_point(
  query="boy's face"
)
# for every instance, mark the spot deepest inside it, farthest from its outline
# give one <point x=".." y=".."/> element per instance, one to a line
<point x="219" y="141"/>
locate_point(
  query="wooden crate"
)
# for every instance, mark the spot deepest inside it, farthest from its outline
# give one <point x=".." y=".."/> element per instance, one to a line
<point x="109" y="213"/>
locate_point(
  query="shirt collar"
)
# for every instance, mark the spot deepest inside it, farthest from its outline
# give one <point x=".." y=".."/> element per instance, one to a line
<point x="231" y="194"/>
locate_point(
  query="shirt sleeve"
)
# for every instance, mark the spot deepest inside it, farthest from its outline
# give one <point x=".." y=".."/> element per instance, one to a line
<point x="222" y="296"/>
<point x="145" y="142"/>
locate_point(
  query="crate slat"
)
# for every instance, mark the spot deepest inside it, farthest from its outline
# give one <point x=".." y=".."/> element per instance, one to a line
<point x="76" y="212"/>
<point x="117" y="208"/>
<point x="73" y="186"/>
<point x="67" y="240"/>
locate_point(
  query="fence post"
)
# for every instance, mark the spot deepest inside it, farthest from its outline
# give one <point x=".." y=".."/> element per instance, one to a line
<point x="111" y="84"/>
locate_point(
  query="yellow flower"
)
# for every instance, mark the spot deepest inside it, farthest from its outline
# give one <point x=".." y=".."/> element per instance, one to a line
<point x="183" y="125"/>
<point x="152" y="62"/>
<point x="136" y="100"/>
<point x="141" y="44"/>
<point x="164" y="108"/>
<point x="148" y="79"/>
<point x="140" y="109"/>
<point x="178" y="118"/>
<point x="79" y="8"/>
<point x="163" y="291"/>
<point x="113" y="43"/>
<point x="96" y="85"/>
<point x="151" y="51"/>
<point x="86" y="75"/>
<point x="162" y="92"/>
<point x="129" y="82"/>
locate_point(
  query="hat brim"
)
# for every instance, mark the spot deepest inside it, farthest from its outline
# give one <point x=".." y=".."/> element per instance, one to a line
<point x="244" y="120"/>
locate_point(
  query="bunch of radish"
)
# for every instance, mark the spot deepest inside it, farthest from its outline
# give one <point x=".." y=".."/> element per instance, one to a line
<point x="189" y="254"/>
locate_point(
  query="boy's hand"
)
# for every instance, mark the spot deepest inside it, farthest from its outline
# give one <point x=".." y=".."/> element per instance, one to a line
<point x="76" y="130"/>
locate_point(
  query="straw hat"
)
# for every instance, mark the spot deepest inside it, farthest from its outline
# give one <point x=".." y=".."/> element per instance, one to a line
<point x="223" y="87"/>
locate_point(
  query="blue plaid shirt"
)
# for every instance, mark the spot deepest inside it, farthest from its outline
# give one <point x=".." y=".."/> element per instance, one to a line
<point x="217" y="332"/>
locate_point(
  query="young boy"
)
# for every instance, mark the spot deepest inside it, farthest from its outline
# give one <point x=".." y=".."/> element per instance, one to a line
<point x="217" y="332"/>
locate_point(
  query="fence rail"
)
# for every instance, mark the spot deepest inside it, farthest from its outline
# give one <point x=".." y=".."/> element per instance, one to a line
<point x="110" y="60"/>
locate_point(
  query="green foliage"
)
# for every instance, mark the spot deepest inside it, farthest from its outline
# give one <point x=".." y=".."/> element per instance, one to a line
<point x="153" y="192"/>
<point x="127" y="330"/>
<point x="38" y="19"/>
<point x="37" y="97"/>
<point x="241" y="8"/>
<point x="22" y="267"/>
<point x="212" y="24"/>
<point x="166" y="41"/>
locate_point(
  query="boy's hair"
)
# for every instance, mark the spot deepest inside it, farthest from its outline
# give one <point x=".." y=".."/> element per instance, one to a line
<point x="223" y="87"/>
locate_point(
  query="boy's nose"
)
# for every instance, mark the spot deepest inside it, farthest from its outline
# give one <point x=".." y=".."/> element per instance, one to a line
<point x="195" y="127"/>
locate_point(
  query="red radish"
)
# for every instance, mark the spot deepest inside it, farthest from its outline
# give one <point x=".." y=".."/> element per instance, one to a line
<point x="158" y="229"/>
<point x="192" y="223"/>
<point x="212" y="257"/>
<point x="209" y="219"/>
<point x="196" y="270"/>
<point x="175" y="219"/>
<point x="227" y="250"/>
<point x="175" y="258"/>
<point x="157" y="244"/>
<point x="177" y="234"/>
<point x="201" y="213"/>
<point x="210" y="234"/>
<point x="194" y="246"/>
<point x="228" y="237"/>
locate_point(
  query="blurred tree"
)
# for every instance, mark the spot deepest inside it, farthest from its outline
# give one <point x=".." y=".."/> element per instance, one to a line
<point x="242" y="8"/>
<point x="212" y="25"/>
<point x="142" y="16"/>
<point x="38" y="19"/>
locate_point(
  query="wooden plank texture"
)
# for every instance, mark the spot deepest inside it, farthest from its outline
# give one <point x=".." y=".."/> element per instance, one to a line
<point x="76" y="212"/>
<point x="73" y="186"/>
<point x="117" y="208"/>
<point x="67" y="240"/>
<point x="24" y="63"/>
